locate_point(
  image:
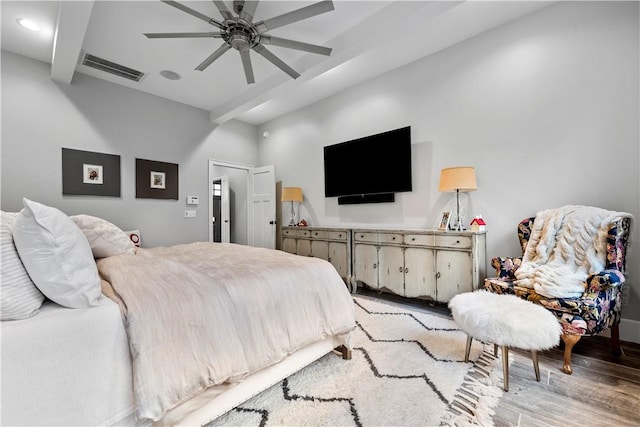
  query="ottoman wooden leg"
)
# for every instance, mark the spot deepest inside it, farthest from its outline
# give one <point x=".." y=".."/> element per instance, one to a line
<point x="467" y="350"/>
<point x="534" y="357"/>
<point x="505" y="367"/>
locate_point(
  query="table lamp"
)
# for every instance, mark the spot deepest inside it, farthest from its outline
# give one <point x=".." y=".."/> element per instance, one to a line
<point x="292" y="194"/>
<point x="460" y="178"/>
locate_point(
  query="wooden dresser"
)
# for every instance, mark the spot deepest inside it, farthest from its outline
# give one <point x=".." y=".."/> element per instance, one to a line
<point x="429" y="264"/>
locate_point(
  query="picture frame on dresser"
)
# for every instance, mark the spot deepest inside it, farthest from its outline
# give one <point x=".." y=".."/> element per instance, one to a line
<point x="445" y="217"/>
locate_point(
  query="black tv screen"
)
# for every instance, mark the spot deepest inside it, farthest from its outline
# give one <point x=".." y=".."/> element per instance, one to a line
<point x="374" y="164"/>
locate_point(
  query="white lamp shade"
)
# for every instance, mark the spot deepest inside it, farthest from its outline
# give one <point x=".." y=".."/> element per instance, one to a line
<point x="462" y="178"/>
<point x="291" y="194"/>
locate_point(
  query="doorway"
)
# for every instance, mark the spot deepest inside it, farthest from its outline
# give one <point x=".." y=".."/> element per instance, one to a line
<point x="221" y="218"/>
<point x="240" y="213"/>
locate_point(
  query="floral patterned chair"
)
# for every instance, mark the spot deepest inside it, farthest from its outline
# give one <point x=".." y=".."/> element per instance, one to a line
<point x="596" y="310"/>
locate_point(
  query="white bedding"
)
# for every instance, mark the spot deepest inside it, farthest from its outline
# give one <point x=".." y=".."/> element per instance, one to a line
<point x="201" y="314"/>
<point x="66" y="367"/>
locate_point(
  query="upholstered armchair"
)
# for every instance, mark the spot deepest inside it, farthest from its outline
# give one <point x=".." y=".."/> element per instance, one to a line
<point x="597" y="309"/>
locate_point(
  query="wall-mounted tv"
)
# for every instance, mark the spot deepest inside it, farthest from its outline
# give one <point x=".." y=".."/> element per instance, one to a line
<point x="369" y="169"/>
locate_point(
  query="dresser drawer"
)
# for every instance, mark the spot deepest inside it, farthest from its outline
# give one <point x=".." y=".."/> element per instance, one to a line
<point x="419" y="239"/>
<point x="462" y="242"/>
<point x="337" y="235"/>
<point x="390" y="238"/>
<point x="295" y="233"/>
<point x="365" y="237"/>
<point x="318" y="234"/>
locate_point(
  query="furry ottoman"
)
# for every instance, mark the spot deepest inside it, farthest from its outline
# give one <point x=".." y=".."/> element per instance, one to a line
<point x="505" y="321"/>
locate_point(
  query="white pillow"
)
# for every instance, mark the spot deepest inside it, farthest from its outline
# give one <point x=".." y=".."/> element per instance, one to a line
<point x="56" y="255"/>
<point x="20" y="299"/>
<point x="104" y="238"/>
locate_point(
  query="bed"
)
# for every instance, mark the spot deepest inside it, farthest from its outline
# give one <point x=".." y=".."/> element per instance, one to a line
<point x="176" y="335"/>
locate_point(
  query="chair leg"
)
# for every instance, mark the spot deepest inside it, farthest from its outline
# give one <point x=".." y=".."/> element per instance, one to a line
<point x="615" y="340"/>
<point x="467" y="349"/>
<point x="505" y="367"/>
<point x="536" y="367"/>
<point x="569" y="342"/>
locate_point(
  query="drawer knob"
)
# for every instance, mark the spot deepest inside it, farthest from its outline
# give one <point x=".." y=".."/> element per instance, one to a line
<point x="393" y="238"/>
<point x="457" y="241"/>
<point x="413" y="239"/>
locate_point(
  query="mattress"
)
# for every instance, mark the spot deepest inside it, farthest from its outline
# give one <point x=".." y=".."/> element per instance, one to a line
<point x="66" y="367"/>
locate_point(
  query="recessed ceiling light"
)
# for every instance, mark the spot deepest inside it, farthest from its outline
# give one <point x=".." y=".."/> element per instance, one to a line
<point x="28" y="24"/>
<point x="171" y="75"/>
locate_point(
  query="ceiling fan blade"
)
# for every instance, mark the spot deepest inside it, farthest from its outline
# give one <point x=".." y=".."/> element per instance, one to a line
<point x="295" y="16"/>
<point x="194" y="13"/>
<point x="292" y="44"/>
<point x="248" y="10"/>
<point x="215" y="55"/>
<point x="275" y="60"/>
<point x="246" y="64"/>
<point x="181" y="35"/>
<point x="226" y="14"/>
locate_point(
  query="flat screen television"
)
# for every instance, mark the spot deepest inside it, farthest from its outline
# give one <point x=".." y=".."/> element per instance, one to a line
<point x="372" y="165"/>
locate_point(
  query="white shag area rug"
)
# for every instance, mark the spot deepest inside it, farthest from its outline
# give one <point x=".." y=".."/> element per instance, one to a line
<point x="407" y="370"/>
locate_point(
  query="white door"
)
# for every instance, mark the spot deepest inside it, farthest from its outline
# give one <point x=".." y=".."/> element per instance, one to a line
<point x="221" y="216"/>
<point x="262" y="207"/>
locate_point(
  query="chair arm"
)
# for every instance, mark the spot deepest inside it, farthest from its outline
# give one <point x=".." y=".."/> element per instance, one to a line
<point x="506" y="266"/>
<point x="605" y="280"/>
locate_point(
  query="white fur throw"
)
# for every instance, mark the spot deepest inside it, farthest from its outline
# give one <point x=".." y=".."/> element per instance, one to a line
<point x="566" y="246"/>
<point x="505" y="320"/>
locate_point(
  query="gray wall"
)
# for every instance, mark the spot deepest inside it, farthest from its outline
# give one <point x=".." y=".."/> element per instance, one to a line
<point x="39" y="117"/>
<point x="545" y="108"/>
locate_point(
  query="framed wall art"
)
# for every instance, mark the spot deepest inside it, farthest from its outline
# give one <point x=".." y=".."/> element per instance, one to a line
<point x="86" y="173"/>
<point x="156" y="180"/>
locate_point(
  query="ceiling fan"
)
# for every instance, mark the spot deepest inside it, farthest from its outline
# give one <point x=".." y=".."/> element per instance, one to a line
<point x="241" y="33"/>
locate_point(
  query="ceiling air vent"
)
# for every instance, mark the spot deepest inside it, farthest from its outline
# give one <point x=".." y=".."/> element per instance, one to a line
<point x="112" y="68"/>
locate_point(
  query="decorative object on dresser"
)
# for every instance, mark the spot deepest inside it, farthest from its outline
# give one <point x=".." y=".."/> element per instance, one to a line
<point x="428" y="264"/>
<point x="578" y="274"/>
<point x="330" y="244"/>
<point x="292" y="194"/>
<point x="461" y="178"/>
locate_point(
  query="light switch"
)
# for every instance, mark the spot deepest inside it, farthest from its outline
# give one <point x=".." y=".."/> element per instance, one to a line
<point x="190" y="213"/>
<point x="193" y="200"/>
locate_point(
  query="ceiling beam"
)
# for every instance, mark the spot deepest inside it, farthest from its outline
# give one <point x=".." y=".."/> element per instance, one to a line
<point x="73" y="19"/>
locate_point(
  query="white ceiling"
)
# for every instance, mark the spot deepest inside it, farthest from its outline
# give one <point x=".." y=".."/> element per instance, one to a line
<point x="368" y="38"/>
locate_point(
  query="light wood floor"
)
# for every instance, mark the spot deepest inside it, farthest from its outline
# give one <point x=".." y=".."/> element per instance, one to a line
<point x="602" y="391"/>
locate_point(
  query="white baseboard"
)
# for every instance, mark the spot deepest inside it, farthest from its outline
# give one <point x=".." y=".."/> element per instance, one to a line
<point x="630" y="330"/>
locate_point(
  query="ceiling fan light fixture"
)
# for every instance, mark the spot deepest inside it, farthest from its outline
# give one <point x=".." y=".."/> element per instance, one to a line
<point x="28" y="24"/>
<point x="242" y="34"/>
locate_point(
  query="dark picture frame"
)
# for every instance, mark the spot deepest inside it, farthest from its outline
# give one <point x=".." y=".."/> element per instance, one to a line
<point x="156" y="180"/>
<point x="87" y="173"/>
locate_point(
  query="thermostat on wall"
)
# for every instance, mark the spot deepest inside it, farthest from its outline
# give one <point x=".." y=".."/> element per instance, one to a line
<point x="192" y="200"/>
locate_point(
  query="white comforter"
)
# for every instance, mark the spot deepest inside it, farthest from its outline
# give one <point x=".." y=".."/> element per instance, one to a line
<point x="205" y="313"/>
